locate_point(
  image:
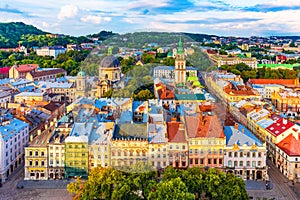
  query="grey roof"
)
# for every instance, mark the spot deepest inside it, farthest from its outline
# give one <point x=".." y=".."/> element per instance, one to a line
<point x="240" y="137"/>
<point x="131" y="131"/>
<point x="156" y="133"/>
<point x="110" y="62"/>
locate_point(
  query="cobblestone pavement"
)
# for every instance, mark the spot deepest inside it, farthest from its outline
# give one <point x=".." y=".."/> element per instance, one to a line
<point x="9" y="190"/>
<point x="282" y="189"/>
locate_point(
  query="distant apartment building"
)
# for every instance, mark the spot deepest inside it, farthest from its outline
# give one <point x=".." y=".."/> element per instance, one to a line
<point x="32" y="72"/>
<point x="14" y="135"/>
<point x="224" y="60"/>
<point x="244" y="154"/>
<point x="50" y="51"/>
<point x="287" y="101"/>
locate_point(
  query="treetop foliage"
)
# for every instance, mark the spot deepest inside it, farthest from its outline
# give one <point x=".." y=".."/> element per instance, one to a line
<point x="144" y="183"/>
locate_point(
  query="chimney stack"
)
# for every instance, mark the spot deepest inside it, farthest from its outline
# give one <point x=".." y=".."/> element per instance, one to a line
<point x="236" y="126"/>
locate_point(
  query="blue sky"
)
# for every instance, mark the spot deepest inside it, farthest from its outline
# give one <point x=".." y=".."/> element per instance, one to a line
<point x="220" y="17"/>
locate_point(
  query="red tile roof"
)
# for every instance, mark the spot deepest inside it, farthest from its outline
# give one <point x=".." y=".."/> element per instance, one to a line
<point x="204" y="126"/>
<point x="273" y="81"/>
<point x="48" y="72"/>
<point x="27" y="67"/>
<point x="175" y="134"/>
<point x="4" y="70"/>
<point x="240" y="90"/>
<point x="279" y="126"/>
<point x="291" y="145"/>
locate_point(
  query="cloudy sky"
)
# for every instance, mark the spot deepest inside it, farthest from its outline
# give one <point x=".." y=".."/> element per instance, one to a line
<point x="221" y="17"/>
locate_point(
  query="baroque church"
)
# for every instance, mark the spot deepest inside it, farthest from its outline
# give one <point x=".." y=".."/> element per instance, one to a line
<point x="109" y="75"/>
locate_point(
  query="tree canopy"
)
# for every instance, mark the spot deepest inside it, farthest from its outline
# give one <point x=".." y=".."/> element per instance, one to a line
<point x="140" y="181"/>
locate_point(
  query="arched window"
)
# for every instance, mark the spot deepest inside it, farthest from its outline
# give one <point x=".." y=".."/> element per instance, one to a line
<point x="106" y="76"/>
<point x="229" y="163"/>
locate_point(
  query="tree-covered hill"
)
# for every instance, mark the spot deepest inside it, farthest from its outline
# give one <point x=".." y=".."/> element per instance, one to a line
<point x="11" y="33"/>
<point x="14" y="33"/>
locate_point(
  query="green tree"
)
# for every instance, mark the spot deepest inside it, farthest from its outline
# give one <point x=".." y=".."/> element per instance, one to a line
<point x="170" y="190"/>
<point x="143" y="95"/>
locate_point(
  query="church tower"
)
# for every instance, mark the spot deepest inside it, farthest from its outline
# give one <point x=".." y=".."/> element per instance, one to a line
<point x="81" y="84"/>
<point x="180" y="64"/>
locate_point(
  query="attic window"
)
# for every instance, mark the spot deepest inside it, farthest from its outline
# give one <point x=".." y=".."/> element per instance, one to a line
<point x="283" y="127"/>
<point x="272" y="128"/>
<point x="276" y="132"/>
<point x="278" y="124"/>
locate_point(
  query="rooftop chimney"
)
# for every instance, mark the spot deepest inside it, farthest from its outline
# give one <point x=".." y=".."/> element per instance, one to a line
<point x="236" y="126"/>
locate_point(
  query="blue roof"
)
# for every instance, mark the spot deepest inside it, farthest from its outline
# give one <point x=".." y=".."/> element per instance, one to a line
<point x="30" y="94"/>
<point x="21" y="82"/>
<point x="4" y="81"/>
<point x="265" y="123"/>
<point x="239" y="137"/>
<point x="11" y="129"/>
<point x="164" y="68"/>
<point x="28" y="88"/>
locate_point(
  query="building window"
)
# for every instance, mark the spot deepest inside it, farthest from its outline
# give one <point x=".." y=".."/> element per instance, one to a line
<point x="248" y="154"/>
<point x="259" y="154"/>
<point x="229" y="154"/>
<point x="36" y="163"/>
<point x="196" y="151"/>
<point x="196" y="161"/>
<point x="42" y="163"/>
<point x="229" y="163"/>
<point x="235" y="154"/>
<point x="259" y="163"/>
<point x="220" y="161"/>
<point x="241" y="154"/>
<point x="248" y="163"/>
<point x="241" y="163"/>
<point x="30" y="153"/>
<point x="253" y="163"/>
<point x="30" y="163"/>
<point x="235" y="163"/>
<point x="215" y="161"/>
<point x="36" y="153"/>
<point x="191" y="161"/>
<point x="253" y="154"/>
<point x="209" y="161"/>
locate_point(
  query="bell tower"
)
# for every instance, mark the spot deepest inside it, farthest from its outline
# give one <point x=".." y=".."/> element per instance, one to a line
<point x="180" y="64"/>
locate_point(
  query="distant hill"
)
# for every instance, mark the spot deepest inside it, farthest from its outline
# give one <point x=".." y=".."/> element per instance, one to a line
<point x="11" y="33"/>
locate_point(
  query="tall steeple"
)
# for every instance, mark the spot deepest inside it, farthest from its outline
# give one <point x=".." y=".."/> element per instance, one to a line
<point x="180" y="47"/>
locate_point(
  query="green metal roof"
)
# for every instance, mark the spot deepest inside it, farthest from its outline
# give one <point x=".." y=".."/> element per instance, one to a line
<point x="195" y="97"/>
<point x="81" y="73"/>
<point x="180" y="48"/>
<point x="288" y="66"/>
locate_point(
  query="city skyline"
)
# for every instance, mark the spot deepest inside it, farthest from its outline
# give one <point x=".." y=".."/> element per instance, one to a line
<point x="220" y="17"/>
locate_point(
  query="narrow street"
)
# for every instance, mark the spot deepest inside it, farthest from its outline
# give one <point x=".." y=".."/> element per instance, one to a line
<point x="9" y="190"/>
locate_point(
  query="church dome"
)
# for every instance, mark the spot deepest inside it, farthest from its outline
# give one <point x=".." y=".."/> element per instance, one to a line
<point x="110" y="62"/>
<point x="81" y="73"/>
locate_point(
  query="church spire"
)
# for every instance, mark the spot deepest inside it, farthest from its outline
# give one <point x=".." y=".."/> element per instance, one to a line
<point x="180" y="47"/>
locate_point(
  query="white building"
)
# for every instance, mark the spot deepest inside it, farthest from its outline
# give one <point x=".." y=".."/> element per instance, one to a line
<point x="50" y="51"/>
<point x="244" y="154"/>
<point x="14" y="135"/>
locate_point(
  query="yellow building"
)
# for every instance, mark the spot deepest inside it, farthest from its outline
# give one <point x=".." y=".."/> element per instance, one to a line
<point x="56" y="151"/>
<point x="76" y="156"/>
<point x="177" y="145"/>
<point x="24" y="97"/>
<point x="36" y="157"/>
<point x="99" y="145"/>
<point x="206" y="140"/>
<point x="129" y="144"/>
<point x="286" y="101"/>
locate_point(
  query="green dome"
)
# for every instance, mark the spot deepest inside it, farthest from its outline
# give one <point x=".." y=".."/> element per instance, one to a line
<point x="81" y="73"/>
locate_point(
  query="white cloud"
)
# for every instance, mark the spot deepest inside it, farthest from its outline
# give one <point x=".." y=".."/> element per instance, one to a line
<point x="67" y="11"/>
<point x="95" y="19"/>
<point x="147" y="4"/>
